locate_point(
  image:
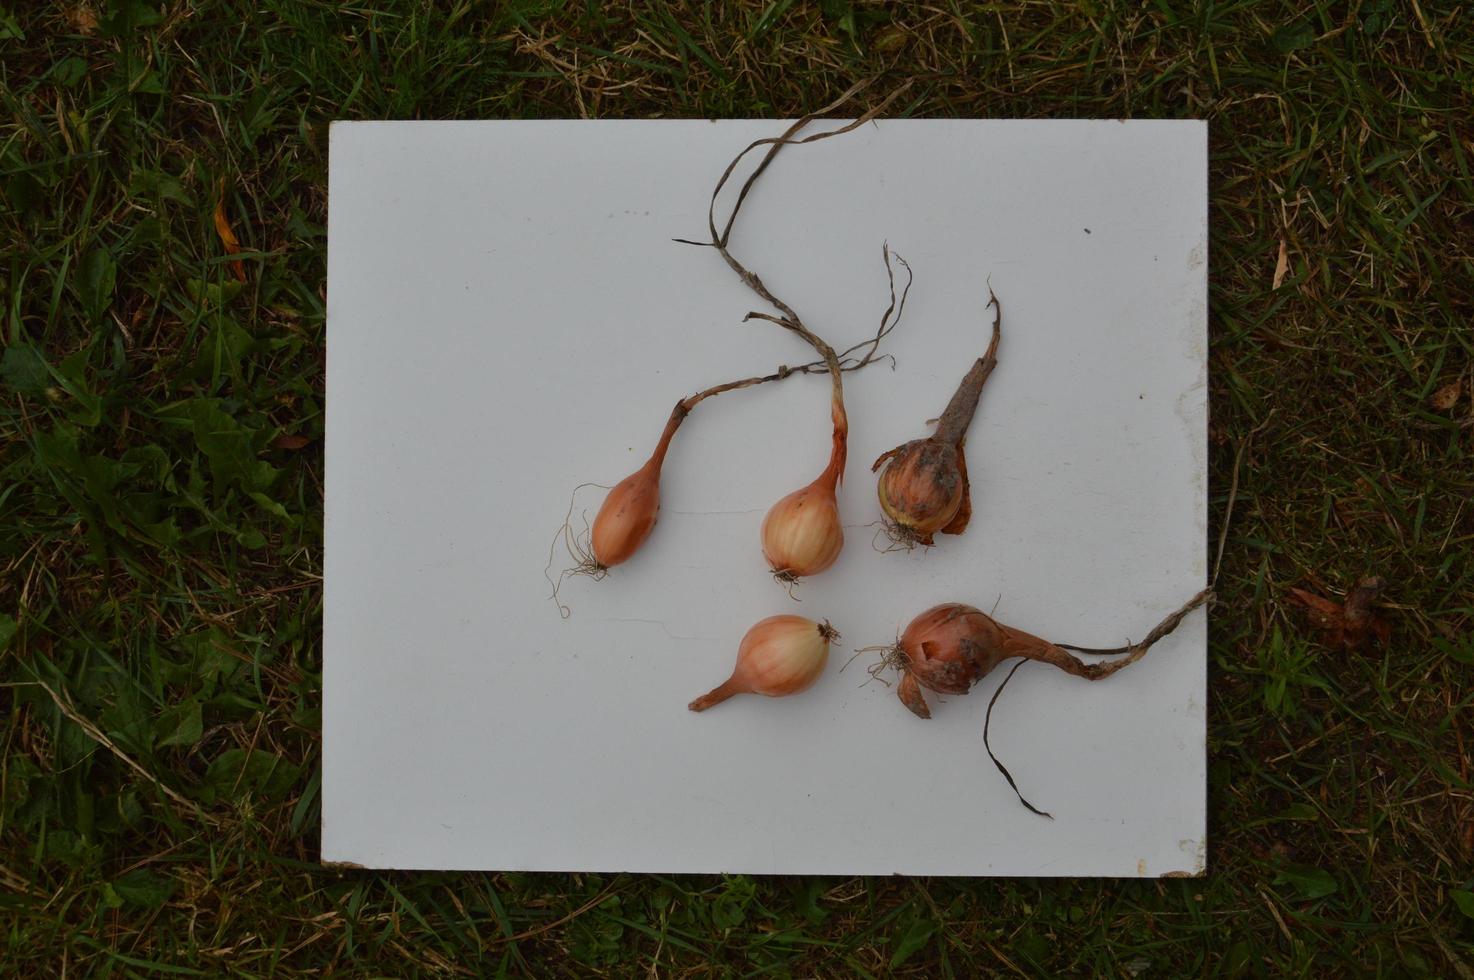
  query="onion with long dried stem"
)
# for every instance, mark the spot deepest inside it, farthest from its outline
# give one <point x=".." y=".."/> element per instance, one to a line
<point x="951" y="647"/>
<point x="801" y="534"/>
<point x="924" y="488"/>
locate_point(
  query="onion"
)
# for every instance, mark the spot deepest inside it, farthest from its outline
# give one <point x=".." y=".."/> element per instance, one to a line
<point x="627" y="517"/>
<point x="628" y="514"/>
<point x="924" y="487"/>
<point x="802" y="534"/>
<point x="779" y="656"/>
<point x="951" y="647"/>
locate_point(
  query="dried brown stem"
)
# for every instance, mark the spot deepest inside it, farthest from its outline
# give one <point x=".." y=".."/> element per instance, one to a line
<point x="717" y="695"/>
<point x="790" y="319"/>
<point x="1096" y="672"/>
<point x="888" y="322"/>
<point x="952" y="425"/>
<point x="1054" y="653"/>
<point x="677" y="416"/>
<point x="988" y="721"/>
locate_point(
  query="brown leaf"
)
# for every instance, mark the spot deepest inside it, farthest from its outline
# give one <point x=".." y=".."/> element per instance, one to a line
<point x="82" y="18"/>
<point x="289" y="441"/>
<point x="227" y="235"/>
<point x="1323" y="613"/>
<point x="1281" y="265"/>
<point x="1446" y="397"/>
<point x="1348" y="624"/>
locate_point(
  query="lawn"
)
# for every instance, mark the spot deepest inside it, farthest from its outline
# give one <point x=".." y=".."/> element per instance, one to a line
<point x="162" y="256"/>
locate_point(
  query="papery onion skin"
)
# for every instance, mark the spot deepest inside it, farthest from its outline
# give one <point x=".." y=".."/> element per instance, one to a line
<point x="949" y="646"/>
<point x="627" y="517"/>
<point x="802" y="533"/>
<point x="629" y="512"/>
<point x="923" y="486"/>
<point x="779" y="656"/>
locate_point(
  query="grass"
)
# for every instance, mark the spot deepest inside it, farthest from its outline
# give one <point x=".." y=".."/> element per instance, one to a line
<point x="161" y="460"/>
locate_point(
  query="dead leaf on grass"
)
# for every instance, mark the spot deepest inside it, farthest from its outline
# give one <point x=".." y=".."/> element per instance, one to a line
<point x="227" y="235"/>
<point x="1281" y="265"/>
<point x="82" y="18"/>
<point x="1446" y="397"/>
<point x="1349" y="624"/>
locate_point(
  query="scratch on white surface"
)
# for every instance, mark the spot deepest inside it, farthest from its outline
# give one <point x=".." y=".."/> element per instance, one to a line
<point x="1184" y="408"/>
<point x="715" y="513"/>
<point x="654" y="622"/>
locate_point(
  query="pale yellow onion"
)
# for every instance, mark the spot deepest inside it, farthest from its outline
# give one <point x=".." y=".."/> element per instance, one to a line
<point x="779" y="656"/>
<point x="802" y="534"/>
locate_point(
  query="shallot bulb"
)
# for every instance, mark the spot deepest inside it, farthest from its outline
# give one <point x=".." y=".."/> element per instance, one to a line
<point x="802" y="534"/>
<point x="951" y="647"/>
<point x="628" y="514"/>
<point x="924" y="488"/>
<point x="779" y="656"/>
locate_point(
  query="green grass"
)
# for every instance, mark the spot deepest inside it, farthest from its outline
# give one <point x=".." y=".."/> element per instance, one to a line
<point x="161" y="466"/>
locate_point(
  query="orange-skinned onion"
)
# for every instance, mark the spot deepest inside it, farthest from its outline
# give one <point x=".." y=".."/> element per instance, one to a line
<point x="951" y="647"/>
<point x="628" y="513"/>
<point x="923" y="487"/>
<point x="627" y="516"/>
<point x="779" y="656"/>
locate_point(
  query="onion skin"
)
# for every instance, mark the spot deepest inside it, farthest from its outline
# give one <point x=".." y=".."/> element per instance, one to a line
<point x="950" y="646"/>
<point x="779" y="656"/>
<point x="909" y="691"/>
<point x="923" y="487"/>
<point x="629" y="512"/>
<point x="802" y="533"/>
<point x="627" y="517"/>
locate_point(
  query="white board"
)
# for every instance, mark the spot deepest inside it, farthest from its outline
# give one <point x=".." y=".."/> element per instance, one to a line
<point x="508" y="318"/>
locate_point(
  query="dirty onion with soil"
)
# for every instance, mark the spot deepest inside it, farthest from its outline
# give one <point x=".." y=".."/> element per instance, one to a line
<point x="923" y="488"/>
